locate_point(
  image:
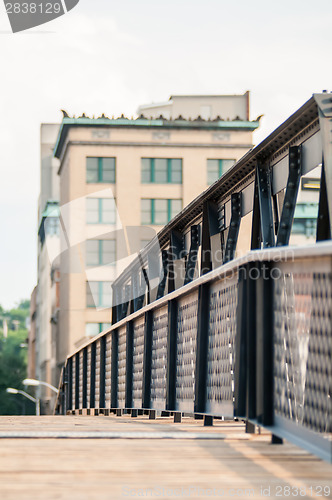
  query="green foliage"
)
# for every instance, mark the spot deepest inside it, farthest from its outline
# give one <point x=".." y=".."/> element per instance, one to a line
<point x="13" y="362"/>
<point x="24" y="304"/>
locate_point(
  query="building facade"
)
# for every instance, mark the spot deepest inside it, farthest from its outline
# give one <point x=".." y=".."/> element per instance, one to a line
<point x="48" y="253"/>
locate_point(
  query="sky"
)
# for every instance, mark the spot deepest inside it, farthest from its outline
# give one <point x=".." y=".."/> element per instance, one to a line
<point x="110" y="57"/>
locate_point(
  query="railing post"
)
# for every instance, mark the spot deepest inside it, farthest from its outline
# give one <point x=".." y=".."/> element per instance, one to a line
<point x="129" y="364"/>
<point x="69" y="391"/>
<point x="240" y="389"/>
<point x="77" y="381"/>
<point x="202" y="348"/>
<point x="264" y="345"/>
<point x="253" y="275"/>
<point x="114" y="370"/>
<point x="85" y="378"/>
<point x="171" y="355"/>
<point x="147" y="360"/>
<point x="93" y="376"/>
<point x="102" y="372"/>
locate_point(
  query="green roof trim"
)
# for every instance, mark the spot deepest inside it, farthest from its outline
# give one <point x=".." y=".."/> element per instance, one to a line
<point x="146" y="123"/>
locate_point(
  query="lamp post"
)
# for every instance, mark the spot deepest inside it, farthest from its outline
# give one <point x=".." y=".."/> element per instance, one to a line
<point x="10" y="390"/>
<point x="36" y="383"/>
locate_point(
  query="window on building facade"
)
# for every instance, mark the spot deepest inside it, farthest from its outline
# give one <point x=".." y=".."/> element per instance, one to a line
<point x="100" y="211"/>
<point x="310" y="184"/>
<point x="305" y="219"/>
<point x="100" y="170"/>
<point x="93" y="329"/>
<point x="159" y="211"/>
<point x="100" y="252"/>
<point x="99" y="294"/>
<point x="215" y="169"/>
<point x="162" y="170"/>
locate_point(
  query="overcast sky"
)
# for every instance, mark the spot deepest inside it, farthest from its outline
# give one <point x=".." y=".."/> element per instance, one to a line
<point x="110" y="57"/>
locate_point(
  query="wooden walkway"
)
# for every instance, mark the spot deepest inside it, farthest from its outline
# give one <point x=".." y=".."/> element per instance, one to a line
<point x="137" y="458"/>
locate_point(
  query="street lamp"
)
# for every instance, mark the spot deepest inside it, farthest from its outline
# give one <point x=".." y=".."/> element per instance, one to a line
<point x="35" y="383"/>
<point x="10" y="390"/>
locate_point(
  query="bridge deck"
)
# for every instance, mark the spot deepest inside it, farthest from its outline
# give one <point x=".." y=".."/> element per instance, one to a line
<point x="171" y="459"/>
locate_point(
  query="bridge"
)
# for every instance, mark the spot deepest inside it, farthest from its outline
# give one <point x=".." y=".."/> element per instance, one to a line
<point x="200" y="329"/>
<point x="220" y="345"/>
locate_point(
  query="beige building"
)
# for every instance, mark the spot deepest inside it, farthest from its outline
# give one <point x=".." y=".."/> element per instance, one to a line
<point x="121" y="180"/>
<point x="48" y="254"/>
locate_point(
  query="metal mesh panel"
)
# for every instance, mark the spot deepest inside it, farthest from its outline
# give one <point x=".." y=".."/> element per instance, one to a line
<point x="81" y="380"/>
<point x="122" y="367"/>
<point x="186" y="352"/>
<point x="138" y="353"/>
<point x="97" y="374"/>
<point x="88" y="377"/>
<point x="159" y="358"/>
<point x="220" y="357"/>
<point x="303" y="345"/>
<point x="74" y="382"/>
<point x="108" y="361"/>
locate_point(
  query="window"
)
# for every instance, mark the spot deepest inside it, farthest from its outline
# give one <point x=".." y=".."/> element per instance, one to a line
<point x="162" y="170"/>
<point x="99" y="294"/>
<point x="310" y="184"/>
<point x="93" y="329"/>
<point x="100" y="211"/>
<point x="305" y="219"/>
<point x="100" y="252"/>
<point x="159" y="212"/>
<point x="100" y="170"/>
<point x="306" y="227"/>
<point x="215" y="169"/>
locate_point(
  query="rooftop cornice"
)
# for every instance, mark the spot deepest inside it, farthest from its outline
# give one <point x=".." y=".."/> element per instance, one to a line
<point x="143" y="122"/>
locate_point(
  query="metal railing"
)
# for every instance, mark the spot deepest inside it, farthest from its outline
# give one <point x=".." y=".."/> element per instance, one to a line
<point x="251" y="339"/>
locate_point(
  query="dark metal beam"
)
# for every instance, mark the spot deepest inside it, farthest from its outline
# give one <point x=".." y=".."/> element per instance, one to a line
<point x="193" y="252"/>
<point x="256" y="240"/>
<point x="125" y="304"/>
<point x="252" y="276"/>
<point x="77" y="381"/>
<point x="69" y="370"/>
<point x="85" y="376"/>
<point x="147" y="360"/>
<point x="264" y="345"/>
<point x="114" y="370"/>
<point x="240" y="371"/>
<point x="292" y="188"/>
<point x="129" y="364"/>
<point x="171" y="355"/>
<point x="234" y="227"/>
<point x="163" y="276"/>
<point x="202" y="348"/>
<point x="323" y="220"/>
<point x="102" y="372"/>
<point x="140" y="299"/>
<point x="175" y="252"/>
<point x="324" y="102"/>
<point x="210" y="227"/>
<point x="93" y="376"/>
<point x="263" y="173"/>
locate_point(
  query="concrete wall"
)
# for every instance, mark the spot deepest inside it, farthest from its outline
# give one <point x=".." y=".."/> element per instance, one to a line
<point x="228" y="107"/>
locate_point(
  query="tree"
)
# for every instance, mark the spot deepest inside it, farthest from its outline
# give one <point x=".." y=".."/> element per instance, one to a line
<point x="13" y="363"/>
